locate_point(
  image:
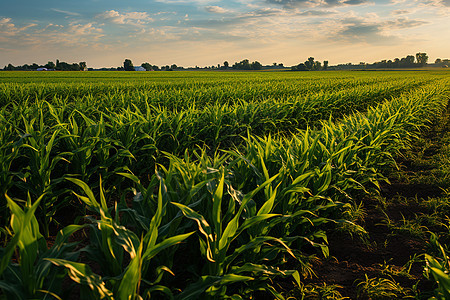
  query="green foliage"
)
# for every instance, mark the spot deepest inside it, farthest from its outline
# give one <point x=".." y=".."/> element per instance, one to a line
<point x="32" y="275"/>
<point x="109" y="243"/>
<point x="437" y="268"/>
<point x="380" y="288"/>
<point x="250" y="172"/>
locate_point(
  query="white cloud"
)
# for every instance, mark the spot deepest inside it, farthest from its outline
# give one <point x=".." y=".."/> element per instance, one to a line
<point x="84" y="29"/>
<point x="186" y="1"/>
<point x="437" y="3"/>
<point x="131" y="18"/>
<point x="400" y="12"/>
<point x="9" y="29"/>
<point x="373" y="30"/>
<point x="217" y="10"/>
<point x="289" y="4"/>
<point x="72" y="36"/>
<point x="70" y="13"/>
<point x="396" y="2"/>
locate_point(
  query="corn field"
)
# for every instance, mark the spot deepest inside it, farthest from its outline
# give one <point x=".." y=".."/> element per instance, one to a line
<point x="191" y="185"/>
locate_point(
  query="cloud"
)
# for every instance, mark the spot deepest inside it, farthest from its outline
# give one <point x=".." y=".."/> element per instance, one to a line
<point x="403" y="23"/>
<point x="262" y="13"/>
<point x="32" y="37"/>
<point x="396" y="2"/>
<point x="290" y="4"/>
<point x="217" y="10"/>
<point x="275" y="12"/>
<point x="201" y="2"/>
<point x="9" y="29"/>
<point x="438" y="3"/>
<point x="316" y="13"/>
<point x="370" y="30"/>
<point x="70" y="13"/>
<point x="400" y="12"/>
<point x="260" y="25"/>
<point x="84" y="29"/>
<point x="74" y="35"/>
<point x="131" y="18"/>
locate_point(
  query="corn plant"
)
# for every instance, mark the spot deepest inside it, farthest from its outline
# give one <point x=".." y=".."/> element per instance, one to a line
<point x="109" y="244"/>
<point x="40" y="177"/>
<point x="437" y="268"/>
<point x="280" y="161"/>
<point x="9" y="151"/>
<point x="31" y="275"/>
<point x="216" y="236"/>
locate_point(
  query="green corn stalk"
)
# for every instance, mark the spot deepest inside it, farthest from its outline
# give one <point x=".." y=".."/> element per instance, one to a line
<point x="9" y="151"/>
<point x="216" y="238"/>
<point x="38" y="177"/>
<point x="119" y="282"/>
<point x="33" y="276"/>
<point x="438" y="268"/>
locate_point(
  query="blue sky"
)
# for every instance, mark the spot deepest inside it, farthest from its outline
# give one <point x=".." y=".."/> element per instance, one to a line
<point x="205" y="32"/>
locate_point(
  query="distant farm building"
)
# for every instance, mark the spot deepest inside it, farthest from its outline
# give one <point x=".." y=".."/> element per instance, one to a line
<point x="139" y="68"/>
<point x="41" y="69"/>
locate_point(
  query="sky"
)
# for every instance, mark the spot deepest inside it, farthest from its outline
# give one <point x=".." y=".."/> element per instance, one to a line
<point x="208" y="32"/>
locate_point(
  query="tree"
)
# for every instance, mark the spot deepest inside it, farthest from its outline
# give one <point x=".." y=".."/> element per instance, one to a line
<point x="226" y="64"/>
<point x="128" y="65"/>
<point x="421" y="58"/>
<point x="147" y="66"/>
<point x="57" y="66"/>
<point x="74" y="67"/>
<point x="317" y="66"/>
<point x="174" y="67"/>
<point x="83" y="66"/>
<point x="256" y="65"/>
<point x="438" y="61"/>
<point x="242" y="65"/>
<point x="309" y="63"/>
<point x="299" y="67"/>
<point x="325" y="64"/>
<point x="407" y="62"/>
<point x="396" y="63"/>
<point x="50" y="65"/>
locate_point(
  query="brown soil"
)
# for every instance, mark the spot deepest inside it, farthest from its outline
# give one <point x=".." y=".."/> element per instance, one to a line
<point x="351" y="259"/>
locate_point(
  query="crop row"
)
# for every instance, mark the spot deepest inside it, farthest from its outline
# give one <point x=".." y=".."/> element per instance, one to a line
<point x="213" y="225"/>
<point x="43" y="142"/>
<point x="179" y="92"/>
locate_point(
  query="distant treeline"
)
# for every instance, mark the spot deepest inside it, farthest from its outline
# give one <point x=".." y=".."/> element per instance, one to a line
<point x="128" y="66"/>
<point x="311" y="65"/>
<point x="59" y="66"/>
<point x="410" y="61"/>
<point x="242" y="65"/>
